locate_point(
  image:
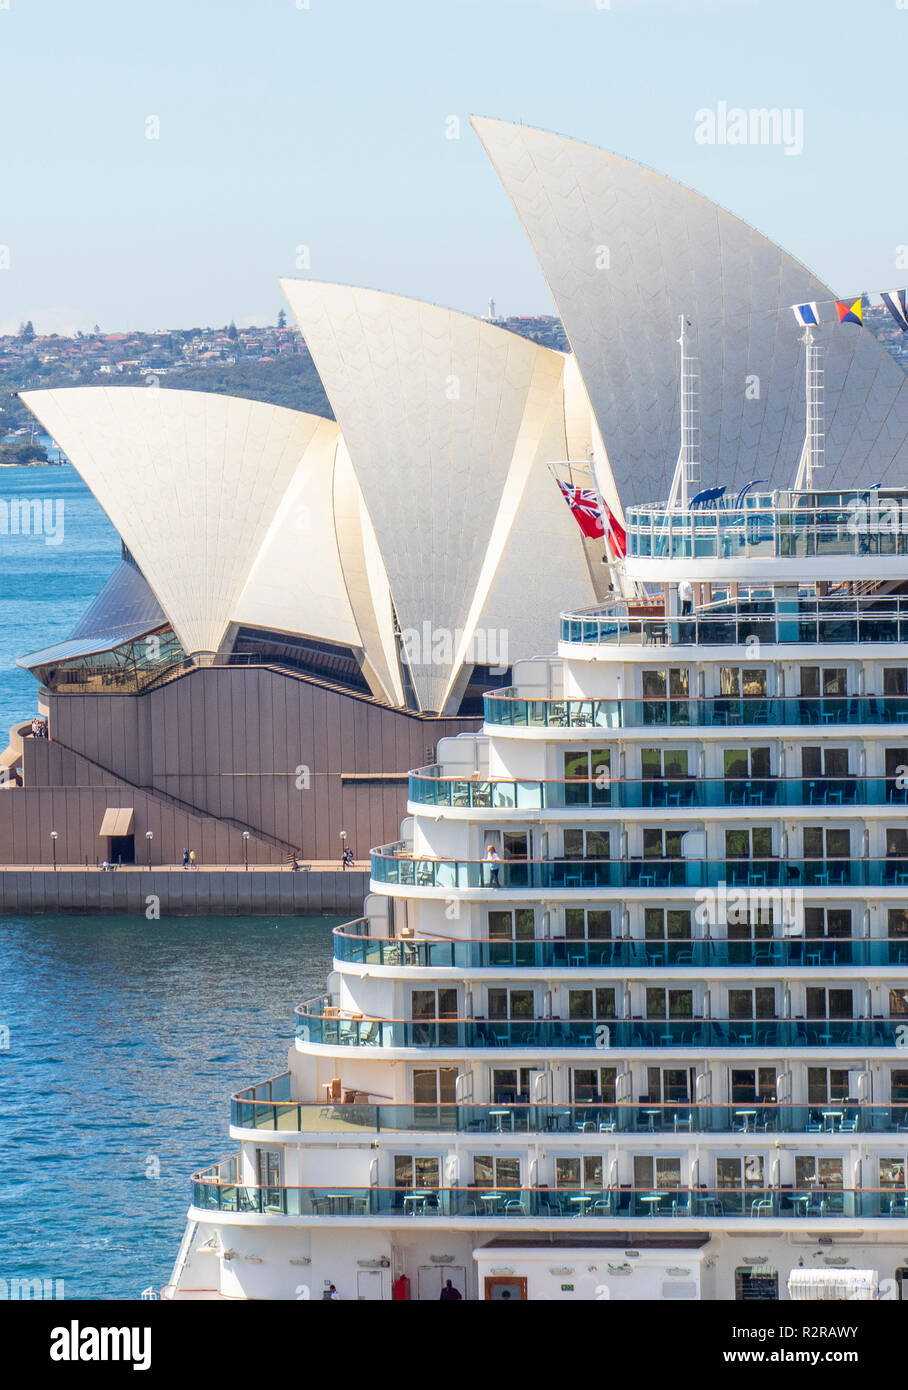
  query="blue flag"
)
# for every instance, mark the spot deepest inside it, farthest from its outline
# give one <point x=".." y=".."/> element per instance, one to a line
<point x="895" y="301"/>
<point x="806" y="314"/>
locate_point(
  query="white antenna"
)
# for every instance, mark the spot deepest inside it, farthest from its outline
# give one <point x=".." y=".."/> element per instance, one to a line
<point x="687" y="469"/>
<point x="813" y="452"/>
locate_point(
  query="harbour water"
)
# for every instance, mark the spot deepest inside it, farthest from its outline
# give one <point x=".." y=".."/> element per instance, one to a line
<point x="126" y="1040"/>
<point x="45" y="588"/>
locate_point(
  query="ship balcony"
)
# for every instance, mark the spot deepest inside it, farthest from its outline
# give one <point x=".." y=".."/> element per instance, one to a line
<point x="769" y="527"/>
<point x="429" y="787"/>
<point x="320" y="1024"/>
<point x="506" y="709"/>
<point x="396" y="865"/>
<point x="353" y="945"/>
<point x="773" y="619"/>
<point x="216" y="1190"/>
<point x="354" y="1120"/>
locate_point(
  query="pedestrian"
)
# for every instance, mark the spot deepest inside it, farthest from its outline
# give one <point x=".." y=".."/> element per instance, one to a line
<point x="493" y="859"/>
<point x="449" y="1294"/>
<point x="192" y="860"/>
<point x="185" y="859"/>
<point x="686" y="597"/>
<point x="348" y="859"/>
<point x="332" y="1293"/>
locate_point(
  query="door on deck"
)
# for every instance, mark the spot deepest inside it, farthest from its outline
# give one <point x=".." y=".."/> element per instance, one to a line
<point x="369" y="1285"/>
<point x="505" y="1286"/>
<point x="431" y="1279"/>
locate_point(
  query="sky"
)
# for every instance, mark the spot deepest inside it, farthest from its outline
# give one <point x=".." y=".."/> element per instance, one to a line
<point x="325" y="124"/>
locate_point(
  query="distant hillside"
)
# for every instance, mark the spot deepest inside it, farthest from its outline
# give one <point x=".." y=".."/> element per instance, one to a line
<point x="291" y="381"/>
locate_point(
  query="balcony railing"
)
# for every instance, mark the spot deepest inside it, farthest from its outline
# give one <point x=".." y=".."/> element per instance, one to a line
<point x="768" y="526"/>
<point x="328" y="1029"/>
<point x="623" y="953"/>
<point x="506" y="707"/>
<point x="489" y="1205"/>
<point x="625" y="1117"/>
<point x="429" y="787"/>
<point x="771" y="620"/>
<point x="395" y="864"/>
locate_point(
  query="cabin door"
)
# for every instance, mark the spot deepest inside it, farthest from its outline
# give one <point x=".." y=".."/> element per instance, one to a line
<point x="505" y="1286"/>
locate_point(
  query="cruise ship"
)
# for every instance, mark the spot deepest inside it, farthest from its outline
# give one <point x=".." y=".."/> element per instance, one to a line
<point x="626" y="1016"/>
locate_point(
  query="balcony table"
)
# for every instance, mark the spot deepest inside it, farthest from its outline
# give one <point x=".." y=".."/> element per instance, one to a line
<point x="415" y="1202"/>
<point x="651" y="1119"/>
<point x="339" y="1203"/>
<point x="749" y="1117"/>
<point x="653" y="1199"/>
<point x="492" y="1201"/>
<point x="832" y="1119"/>
<point x="500" y="1116"/>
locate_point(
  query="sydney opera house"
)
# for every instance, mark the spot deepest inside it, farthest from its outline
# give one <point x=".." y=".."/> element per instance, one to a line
<point x="304" y="606"/>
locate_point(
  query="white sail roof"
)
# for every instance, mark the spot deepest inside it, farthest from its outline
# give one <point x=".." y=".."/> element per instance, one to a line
<point x="442" y="415"/>
<point x="625" y="251"/>
<point x="427" y="507"/>
<point x="192" y="482"/>
<point x="297" y="582"/>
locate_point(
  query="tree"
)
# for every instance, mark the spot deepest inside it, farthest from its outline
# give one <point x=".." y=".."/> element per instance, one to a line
<point x="281" y="319"/>
<point x="27" y="331"/>
<point x="22" y="453"/>
<point x="231" y="331"/>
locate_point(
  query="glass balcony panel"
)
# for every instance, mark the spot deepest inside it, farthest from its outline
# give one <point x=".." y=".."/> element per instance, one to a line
<point x="815" y="1201"/>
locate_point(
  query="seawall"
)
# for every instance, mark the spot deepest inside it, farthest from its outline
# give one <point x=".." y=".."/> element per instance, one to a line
<point x="154" y="892"/>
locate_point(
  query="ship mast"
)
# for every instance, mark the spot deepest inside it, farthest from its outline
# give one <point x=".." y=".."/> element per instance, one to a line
<point x="687" y="469"/>
<point x="813" y="451"/>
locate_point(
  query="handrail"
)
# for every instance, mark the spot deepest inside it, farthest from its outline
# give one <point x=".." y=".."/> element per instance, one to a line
<point x="683" y="1021"/>
<point x="382" y="852"/>
<point x="668" y="1106"/>
<point x="758" y="943"/>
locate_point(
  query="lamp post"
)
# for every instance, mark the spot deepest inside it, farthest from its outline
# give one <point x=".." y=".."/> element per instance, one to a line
<point x="246" y="850"/>
<point x="53" y="841"/>
<point x="343" y="840"/>
<point x="149" y="836"/>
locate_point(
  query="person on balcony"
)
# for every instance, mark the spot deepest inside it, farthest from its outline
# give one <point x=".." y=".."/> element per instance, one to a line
<point x="493" y="859"/>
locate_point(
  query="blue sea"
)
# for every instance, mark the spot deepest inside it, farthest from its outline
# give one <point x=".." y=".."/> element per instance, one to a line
<point x="127" y="1038"/>
<point x="45" y="589"/>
